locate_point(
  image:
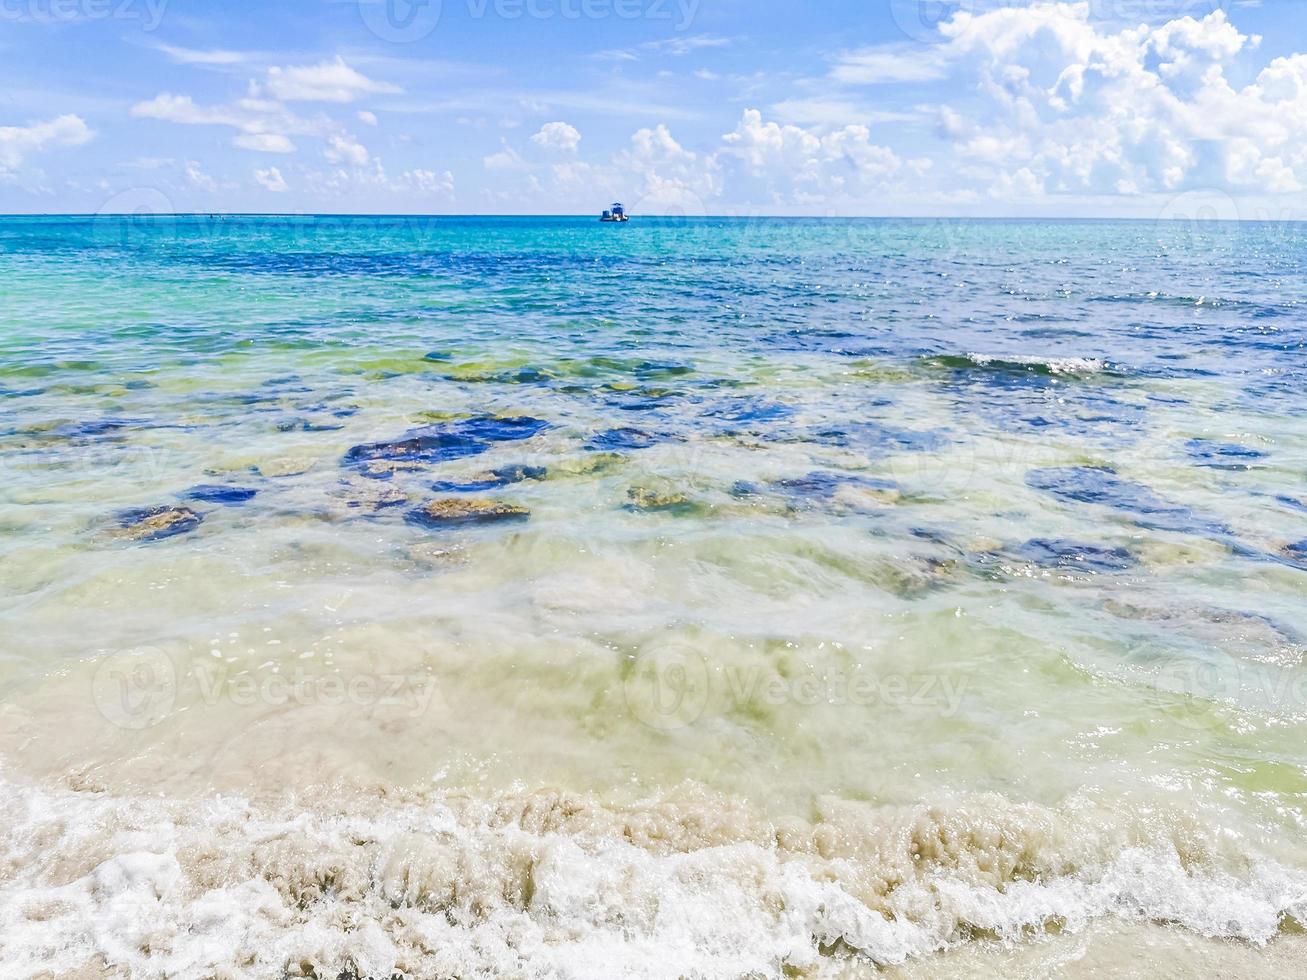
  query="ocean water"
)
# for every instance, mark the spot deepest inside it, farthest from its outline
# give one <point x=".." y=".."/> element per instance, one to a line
<point x="702" y="598"/>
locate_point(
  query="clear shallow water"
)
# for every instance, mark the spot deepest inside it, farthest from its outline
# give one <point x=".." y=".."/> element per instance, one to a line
<point x="890" y="593"/>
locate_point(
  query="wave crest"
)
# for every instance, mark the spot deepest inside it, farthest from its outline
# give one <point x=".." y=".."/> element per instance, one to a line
<point x="560" y="885"/>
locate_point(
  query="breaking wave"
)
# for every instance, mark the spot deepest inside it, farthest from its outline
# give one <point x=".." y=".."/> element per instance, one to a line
<point x="559" y="885"/>
<point x="1017" y="364"/>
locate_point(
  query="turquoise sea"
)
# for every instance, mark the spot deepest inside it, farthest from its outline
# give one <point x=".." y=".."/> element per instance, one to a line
<point x="685" y="598"/>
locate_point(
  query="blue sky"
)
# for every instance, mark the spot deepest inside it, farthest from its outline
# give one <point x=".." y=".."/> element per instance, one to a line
<point x="848" y="107"/>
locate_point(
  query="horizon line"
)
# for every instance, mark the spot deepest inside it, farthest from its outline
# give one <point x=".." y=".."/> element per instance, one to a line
<point x="652" y="217"/>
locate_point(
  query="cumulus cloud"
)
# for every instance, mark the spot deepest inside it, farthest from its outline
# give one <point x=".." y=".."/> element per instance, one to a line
<point x="1074" y="105"/>
<point x="18" y="142"/>
<point x="793" y="163"/>
<point x="330" y="81"/>
<point x="272" y="180"/>
<point x="759" y="161"/>
<point x="557" y="136"/>
<point x="345" y="149"/>
<point x="262" y="125"/>
<point x="182" y="109"/>
<point x="670" y="177"/>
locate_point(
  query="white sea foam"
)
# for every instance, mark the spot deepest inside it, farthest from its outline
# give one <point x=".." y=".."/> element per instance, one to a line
<point x="551" y="885"/>
<point x="1053" y="365"/>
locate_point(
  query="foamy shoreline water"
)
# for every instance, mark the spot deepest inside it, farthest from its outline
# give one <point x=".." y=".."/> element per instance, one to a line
<point x="548" y="884"/>
<point x="900" y="596"/>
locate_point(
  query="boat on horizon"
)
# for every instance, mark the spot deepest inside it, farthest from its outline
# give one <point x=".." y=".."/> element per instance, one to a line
<point x="616" y="213"/>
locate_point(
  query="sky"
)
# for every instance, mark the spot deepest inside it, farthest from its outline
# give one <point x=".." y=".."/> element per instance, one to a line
<point x="1133" y="108"/>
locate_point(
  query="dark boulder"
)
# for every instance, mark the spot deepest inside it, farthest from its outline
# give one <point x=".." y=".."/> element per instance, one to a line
<point x="461" y="511"/>
<point x="213" y="493"/>
<point x="156" y="523"/>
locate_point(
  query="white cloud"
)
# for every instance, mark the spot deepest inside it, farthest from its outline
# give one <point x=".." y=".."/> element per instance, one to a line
<point x="670" y="178"/>
<point x="272" y="180"/>
<point x="682" y="45"/>
<point x="196" y="56"/>
<point x="835" y="112"/>
<point x="367" y="118"/>
<point x="506" y="159"/>
<point x="374" y="178"/>
<point x="557" y="136"/>
<point x="1073" y="105"/>
<point x="262" y="125"/>
<point x="179" y="109"/>
<point x="18" y="142"/>
<point x="427" y="181"/>
<point x="264" y="142"/>
<point x="330" y="81"/>
<point x="345" y="149"/>
<point x="888" y="63"/>
<point x="792" y="163"/>
<point x="197" y="177"/>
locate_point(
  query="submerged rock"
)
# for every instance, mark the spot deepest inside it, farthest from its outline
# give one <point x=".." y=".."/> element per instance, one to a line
<point x="492" y="480"/>
<point x="211" y="493"/>
<point x="876" y="439"/>
<point x="448" y="441"/>
<point x="1292" y="502"/>
<point x="306" y="425"/>
<point x="1071" y="555"/>
<point x="97" y="427"/>
<point x="369" y="497"/>
<point x="624" y="438"/>
<point x="383" y="469"/>
<point x="1223" y="455"/>
<point x="645" y="499"/>
<point x="287" y="466"/>
<point x="587" y="465"/>
<point x="459" y="511"/>
<point x="156" y="523"/>
<point x="432" y="447"/>
<point x="1237" y="633"/>
<point x="749" y="410"/>
<point x="913" y="576"/>
<point x="646" y="370"/>
<point x="1102" y="485"/>
<point x="827" y="486"/>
